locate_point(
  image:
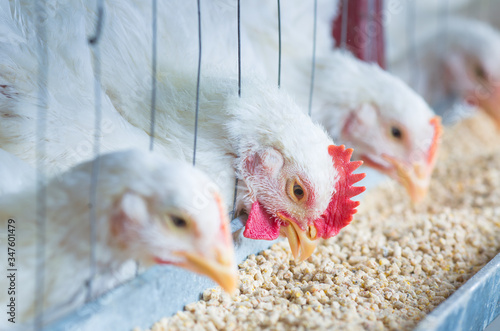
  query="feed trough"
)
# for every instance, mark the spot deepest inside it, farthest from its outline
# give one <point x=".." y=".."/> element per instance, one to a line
<point x="156" y="294"/>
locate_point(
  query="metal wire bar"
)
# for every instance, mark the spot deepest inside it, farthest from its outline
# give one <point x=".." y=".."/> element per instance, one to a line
<point x="239" y="94"/>
<point x="197" y="86"/>
<point x="94" y="42"/>
<point x="279" y="44"/>
<point x="444" y="20"/>
<point x="236" y="181"/>
<point x="411" y="36"/>
<point x="343" y="32"/>
<point x="239" y="51"/>
<point x="313" y="69"/>
<point x="41" y="129"/>
<point x="98" y="30"/>
<point x="153" y="73"/>
<point x="484" y="8"/>
<point x="371" y="55"/>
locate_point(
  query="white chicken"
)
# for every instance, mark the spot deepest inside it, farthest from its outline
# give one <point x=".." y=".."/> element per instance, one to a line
<point x="459" y="67"/>
<point x="390" y="127"/>
<point x="147" y="209"/>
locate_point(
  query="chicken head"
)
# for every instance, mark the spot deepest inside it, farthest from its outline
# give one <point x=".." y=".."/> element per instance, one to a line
<point x="287" y="201"/>
<point x="471" y="66"/>
<point x="390" y="127"/>
<point x="402" y="147"/>
<point x="176" y="216"/>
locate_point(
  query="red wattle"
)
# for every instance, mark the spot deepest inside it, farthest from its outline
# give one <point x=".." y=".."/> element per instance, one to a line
<point x="260" y="225"/>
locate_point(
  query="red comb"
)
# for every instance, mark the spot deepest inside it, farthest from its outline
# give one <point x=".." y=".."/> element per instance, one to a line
<point x="341" y="208"/>
<point x="438" y="130"/>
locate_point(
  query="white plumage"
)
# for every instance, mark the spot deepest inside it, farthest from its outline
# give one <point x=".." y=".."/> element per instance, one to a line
<point x="15" y="174"/>
<point x="147" y="209"/>
<point x="70" y="112"/>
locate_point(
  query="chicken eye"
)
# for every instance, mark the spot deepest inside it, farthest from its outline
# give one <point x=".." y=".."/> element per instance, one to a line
<point x="480" y="73"/>
<point x="178" y="222"/>
<point x="396" y="132"/>
<point x="298" y="191"/>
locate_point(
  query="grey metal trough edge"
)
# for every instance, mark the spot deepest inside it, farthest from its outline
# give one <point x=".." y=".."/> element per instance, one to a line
<point x="472" y="307"/>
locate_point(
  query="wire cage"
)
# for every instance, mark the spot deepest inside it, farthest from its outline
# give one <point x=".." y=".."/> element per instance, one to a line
<point x="148" y="296"/>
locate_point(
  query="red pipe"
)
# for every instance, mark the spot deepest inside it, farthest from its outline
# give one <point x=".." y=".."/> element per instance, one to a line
<point x="365" y="29"/>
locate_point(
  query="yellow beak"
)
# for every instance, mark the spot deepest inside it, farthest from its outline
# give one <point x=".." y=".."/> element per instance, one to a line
<point x="301" y="243"/>
<point x="221" y="269"/>
<point x="415" y="178"/>
<point x="491" y="106"/>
